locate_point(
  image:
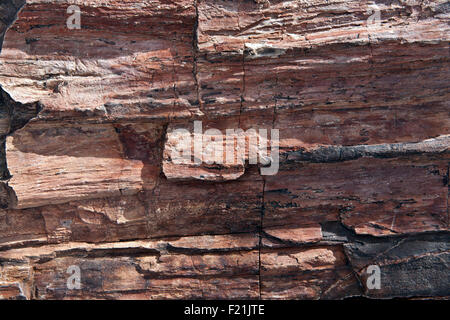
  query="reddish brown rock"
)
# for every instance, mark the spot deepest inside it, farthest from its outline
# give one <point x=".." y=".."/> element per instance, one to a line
<point x="370" y="196"/>
<point x="193" y="267"/>
<point x="311" y="273"/>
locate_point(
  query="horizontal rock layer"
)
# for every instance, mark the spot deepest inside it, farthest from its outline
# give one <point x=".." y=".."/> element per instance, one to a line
<point x="90" y="121"/>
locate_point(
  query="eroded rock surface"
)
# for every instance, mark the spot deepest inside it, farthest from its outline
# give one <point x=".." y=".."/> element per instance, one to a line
<point x="358" y="91"/>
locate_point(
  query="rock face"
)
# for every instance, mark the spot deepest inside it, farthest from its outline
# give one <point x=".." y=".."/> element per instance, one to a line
<point x="95" y="118"/>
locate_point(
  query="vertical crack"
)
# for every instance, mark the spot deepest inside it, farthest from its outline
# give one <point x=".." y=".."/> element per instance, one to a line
<point x="243" y="71"/>
<point x="243" y="87"/>
<point x="275" y="108"/>
<point x="13" y="116"/>
<point x="447" y="178"/>
<point x="260" y="235"/>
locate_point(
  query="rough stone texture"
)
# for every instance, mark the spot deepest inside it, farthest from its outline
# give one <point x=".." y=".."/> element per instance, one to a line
<point x="88" y="127"/>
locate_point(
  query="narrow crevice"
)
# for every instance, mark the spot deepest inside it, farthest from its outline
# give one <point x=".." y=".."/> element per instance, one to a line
<point x="260" y="237"/>
<point x="447" y="182"/>
<point x="13" y="115"/>
<point x="4" y="172"/>
<point x="8" y="13"/>
<point x="242" y="98"/>
<point x="275" y="108"/>
<point x="8" y="198"/>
